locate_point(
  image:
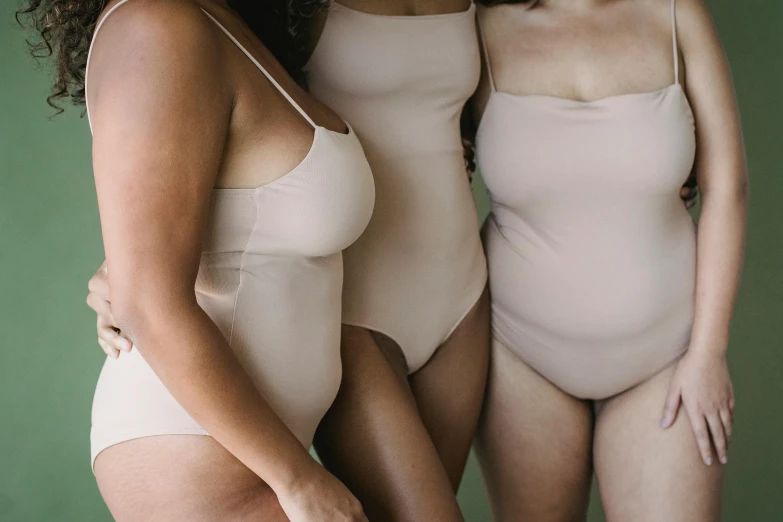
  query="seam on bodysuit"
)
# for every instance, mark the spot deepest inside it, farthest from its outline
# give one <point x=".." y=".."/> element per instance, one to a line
<point x="133" y="434"/>
<point x="451" y="330"/>
<point x="462" y="317"/>
<point x="371" y="329"/>
<point x="242" y="271"/>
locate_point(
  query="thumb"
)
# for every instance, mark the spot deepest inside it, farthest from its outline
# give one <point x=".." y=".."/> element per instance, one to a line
<point x="671" y="406"/>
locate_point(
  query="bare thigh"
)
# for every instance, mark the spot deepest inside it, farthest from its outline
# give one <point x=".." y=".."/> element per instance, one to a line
<point x="172" y="478"/>
<point x="373" y="439"/>
<point x="646" y="473"/>
<point x="534" y="444"/>
<point x="449" y="389"/>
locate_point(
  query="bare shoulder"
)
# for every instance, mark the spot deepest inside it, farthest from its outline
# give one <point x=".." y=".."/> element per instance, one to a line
<point x="695" y="27"/>
<point x="154" y="15"/>
<point x="172" y="33"/>
<point x="157" y="57"/>
<point x="696" y="30"/>
<point x="693" y="12"/>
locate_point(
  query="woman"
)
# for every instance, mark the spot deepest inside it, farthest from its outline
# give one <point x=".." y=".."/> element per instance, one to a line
<point x="606" y="307"/>
<point x="214" y="172"/>
<point x="415" y="312"/>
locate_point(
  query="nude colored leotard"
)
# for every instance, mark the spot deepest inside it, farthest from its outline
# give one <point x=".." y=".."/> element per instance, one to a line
<point x="271" y="279"/>
<point x="591" y="251"/>
<point x="402" y="82"/>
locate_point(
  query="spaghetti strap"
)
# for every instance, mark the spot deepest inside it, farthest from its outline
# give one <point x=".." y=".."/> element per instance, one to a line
<point x="89" y="53"/>
<point x="485" y="53"/>
<point x="261" y="68"/>
<point x="674" y="44"/>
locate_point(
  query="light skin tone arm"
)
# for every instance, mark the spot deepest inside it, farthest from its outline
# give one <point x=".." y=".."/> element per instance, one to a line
<point x="702" y="384"/>
<point x="160" y="116"/>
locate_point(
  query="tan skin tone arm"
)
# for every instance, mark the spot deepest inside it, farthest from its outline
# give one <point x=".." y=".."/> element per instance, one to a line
<point x="702" y="383"/>
<point x="160" y="116"/>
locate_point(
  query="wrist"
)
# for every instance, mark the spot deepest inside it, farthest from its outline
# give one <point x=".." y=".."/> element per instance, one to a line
<point x="293" y="473"/>
<point x="710" y="339"/>
<point x="708" y="348"/>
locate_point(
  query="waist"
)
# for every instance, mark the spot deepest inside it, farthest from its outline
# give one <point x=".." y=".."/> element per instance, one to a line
<point x="582" y="289"/>
<point x="277" y="292"/>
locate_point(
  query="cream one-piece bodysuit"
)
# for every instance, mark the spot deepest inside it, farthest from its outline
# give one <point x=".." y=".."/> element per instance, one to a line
<point x="592" y="254"/>
<point x="270" y="278"/>
<point x="402" y="82"/>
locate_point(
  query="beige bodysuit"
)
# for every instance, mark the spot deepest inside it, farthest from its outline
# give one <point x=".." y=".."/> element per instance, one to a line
<point x="402" y="82"/>
<point x="592" y="254"/>
<point x="270" y="278"/>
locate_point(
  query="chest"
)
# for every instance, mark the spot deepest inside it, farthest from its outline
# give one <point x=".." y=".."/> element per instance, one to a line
<point x="365" y="55"/>
<point x="407" y="7"/>
<point x="581" y="57"/>
<point x="544" y="148"/>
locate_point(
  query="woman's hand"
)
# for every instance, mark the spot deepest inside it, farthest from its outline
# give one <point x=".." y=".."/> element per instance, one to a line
<point x="319" y="497"/>
<point x="109" y="335"/>
<point x="702" y="384"/>
<point x="690" y="191"/>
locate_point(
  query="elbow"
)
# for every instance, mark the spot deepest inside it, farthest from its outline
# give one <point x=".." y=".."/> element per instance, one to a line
<point x="734" y="192"/>
<point x="142" y="314"/>
<point x="131" y="313"/>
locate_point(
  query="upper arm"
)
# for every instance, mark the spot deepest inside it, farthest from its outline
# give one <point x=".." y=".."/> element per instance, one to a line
<point x="720" y="161"/>
<point x="160" y="110"/>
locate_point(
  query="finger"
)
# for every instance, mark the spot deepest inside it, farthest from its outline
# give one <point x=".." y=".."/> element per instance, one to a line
<point x="688" y="195"/>
<point x="111" y="352"/>
<point x="672" y="406"/>
<point x="101" y="307"/>
<point x="99" y="284"/>
<point x="113" y="338"/>
<point x="718" y="437"/>
<point x="699" y="425"/>
<point x="725" y="418"/>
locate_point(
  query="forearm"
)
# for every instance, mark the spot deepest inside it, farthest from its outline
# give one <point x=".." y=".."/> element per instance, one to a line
<point x="720" y="252"/>
<point x="190" y="356"/>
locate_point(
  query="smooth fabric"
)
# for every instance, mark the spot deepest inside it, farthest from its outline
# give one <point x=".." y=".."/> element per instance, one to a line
<point x="271" y="280"/>
<point x="591" y="252"/>
<point x="402" y="82"/>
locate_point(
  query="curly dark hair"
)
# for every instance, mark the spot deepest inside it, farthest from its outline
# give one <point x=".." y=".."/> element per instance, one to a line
<point x="64" y="31"/>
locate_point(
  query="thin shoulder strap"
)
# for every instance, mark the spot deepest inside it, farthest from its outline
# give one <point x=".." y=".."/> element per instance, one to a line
<point x="485" y="52"/>
<point x="261" y="68"/>
<point x="89" y="54"/>
<point x="674" y="44"/>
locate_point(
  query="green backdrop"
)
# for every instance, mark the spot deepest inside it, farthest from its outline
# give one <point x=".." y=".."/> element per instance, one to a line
<point x="50" y="245"/>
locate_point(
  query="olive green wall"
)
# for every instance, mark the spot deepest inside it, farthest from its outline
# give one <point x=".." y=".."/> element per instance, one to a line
<point x="50" y="245"/>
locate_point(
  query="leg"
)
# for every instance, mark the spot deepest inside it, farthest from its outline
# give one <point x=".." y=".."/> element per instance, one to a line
<point x="646" y="473"/>
<point x="534" y="445"/>
<point x="449" y="389"/>
<point x="181" y="477"/>
<point x="372" y="439"/>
